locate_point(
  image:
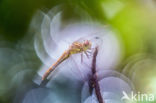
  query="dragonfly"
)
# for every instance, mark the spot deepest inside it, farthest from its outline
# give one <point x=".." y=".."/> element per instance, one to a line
<point x="75" y="48"/>
<point x="84" y="45"/>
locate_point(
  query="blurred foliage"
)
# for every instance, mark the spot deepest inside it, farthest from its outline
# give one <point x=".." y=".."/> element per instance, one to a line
<point x="15" y="15"/>
<point x="135" y="23"/>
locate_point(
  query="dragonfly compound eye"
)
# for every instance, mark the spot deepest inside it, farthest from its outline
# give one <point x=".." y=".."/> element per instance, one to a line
<point x="86" y="43"/>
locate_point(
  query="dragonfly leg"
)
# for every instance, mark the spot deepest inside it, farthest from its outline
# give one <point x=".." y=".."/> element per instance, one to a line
<point x="88" y="51"/>
<point x="86" y="54"/>
<point x="81" y="57"/>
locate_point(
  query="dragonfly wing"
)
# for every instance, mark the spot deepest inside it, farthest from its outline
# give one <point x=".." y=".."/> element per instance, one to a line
<point x="94" y="36"/>
<point x="109" y="52"/>
<point x="72" y="67"/>
<point x="83" y="67"/>
<point x="66" y="69"/>
<point x="80" y="70"/>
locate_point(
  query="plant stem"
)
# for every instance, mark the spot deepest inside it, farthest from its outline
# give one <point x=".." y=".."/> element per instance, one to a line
<point x="94" y="81"/>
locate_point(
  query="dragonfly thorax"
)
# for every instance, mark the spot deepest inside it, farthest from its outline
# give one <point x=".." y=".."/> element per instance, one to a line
<point x="78" y="47"/>
<point x="86" y="45"/>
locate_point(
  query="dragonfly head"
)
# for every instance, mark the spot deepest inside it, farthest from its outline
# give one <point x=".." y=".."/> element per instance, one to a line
<point x="87" y="44"/>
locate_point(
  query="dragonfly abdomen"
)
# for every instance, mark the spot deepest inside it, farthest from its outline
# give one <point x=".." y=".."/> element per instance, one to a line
<point x="64" y="56"/>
